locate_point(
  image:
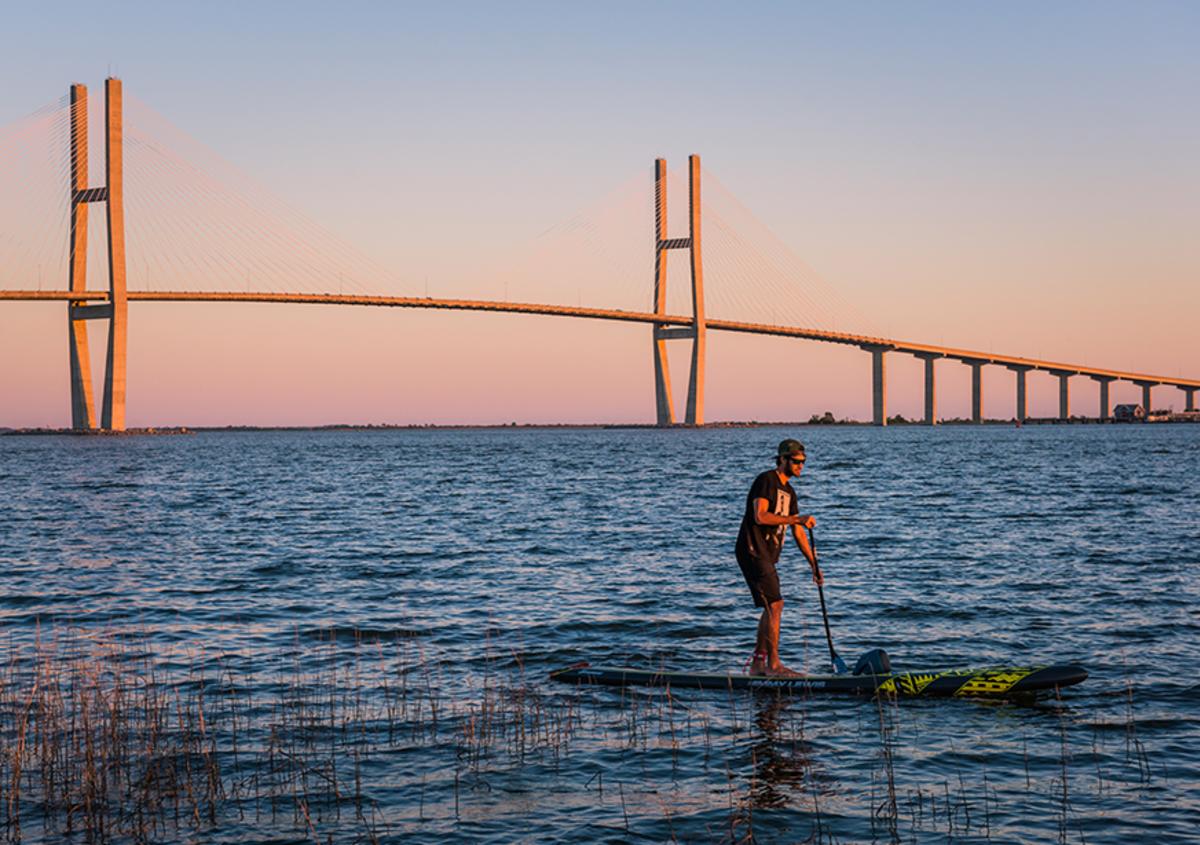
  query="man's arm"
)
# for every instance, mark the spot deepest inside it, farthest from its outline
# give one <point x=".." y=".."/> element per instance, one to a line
<point x="764" y="517"/>
<point x="806" y="548"/>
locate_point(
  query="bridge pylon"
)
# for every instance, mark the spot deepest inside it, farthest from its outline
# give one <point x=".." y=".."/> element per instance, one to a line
<point x="696" y="332"/>
<point x="116" y="309"/>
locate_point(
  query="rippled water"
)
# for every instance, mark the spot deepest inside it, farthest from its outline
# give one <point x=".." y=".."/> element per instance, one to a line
<point x="493" y="556"/>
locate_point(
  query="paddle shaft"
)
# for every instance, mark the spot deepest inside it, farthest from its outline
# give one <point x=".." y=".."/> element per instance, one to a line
<point x="812" y="544"/>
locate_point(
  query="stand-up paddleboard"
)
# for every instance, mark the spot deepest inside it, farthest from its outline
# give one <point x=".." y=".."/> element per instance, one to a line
<point x="992" y="682"/>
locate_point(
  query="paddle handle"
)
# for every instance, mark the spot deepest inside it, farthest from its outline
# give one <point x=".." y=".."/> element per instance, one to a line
<point x="812" y="544"/>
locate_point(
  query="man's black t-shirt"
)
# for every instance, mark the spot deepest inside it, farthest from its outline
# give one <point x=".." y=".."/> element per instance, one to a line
<point x="765" y="542"/>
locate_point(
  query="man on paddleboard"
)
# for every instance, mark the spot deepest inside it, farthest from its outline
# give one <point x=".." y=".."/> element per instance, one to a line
<point x="770" y="507"/>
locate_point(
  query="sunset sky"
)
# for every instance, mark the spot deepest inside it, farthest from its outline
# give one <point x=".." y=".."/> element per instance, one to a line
<point x="1022" y="178"/>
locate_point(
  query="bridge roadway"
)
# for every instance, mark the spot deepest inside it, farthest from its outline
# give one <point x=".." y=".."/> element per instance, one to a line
<point x="874" y="344"/>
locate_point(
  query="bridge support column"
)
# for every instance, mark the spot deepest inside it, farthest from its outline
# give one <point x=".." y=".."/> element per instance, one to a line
<point x="976" y="366"/>
<point x="662" y="373"/>
<point x="878" y="383"/>
<point x="930" y="385"/>
<point x="116" y="309"/>
<point x="879" y="387"/>
<point x="1104" y="382"/>
<point x="1190" y="393"/>
<point x="664" y="407"/>
<point x="1145" y="386"/>
<point x="1064" y="393"/>
<point x="1022" y="394"/>
<point x="113" y="416"/>
<point x="83" y="409"/>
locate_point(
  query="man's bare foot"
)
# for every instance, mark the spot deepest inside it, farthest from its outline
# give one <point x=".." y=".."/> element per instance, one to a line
<point x="782" y="671"/>
<point x="757" y="665"/>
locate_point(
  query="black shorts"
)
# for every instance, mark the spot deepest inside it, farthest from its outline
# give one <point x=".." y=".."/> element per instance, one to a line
<point x="761" y="577"/>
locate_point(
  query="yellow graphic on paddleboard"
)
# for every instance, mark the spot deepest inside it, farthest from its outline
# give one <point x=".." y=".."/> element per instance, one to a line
<point x="993" y="681"/>
<point x="984" y="682"/>
<point x="910" y="684"/>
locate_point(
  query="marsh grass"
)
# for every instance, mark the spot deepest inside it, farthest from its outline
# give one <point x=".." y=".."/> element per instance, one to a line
<point x="110" y="737"/>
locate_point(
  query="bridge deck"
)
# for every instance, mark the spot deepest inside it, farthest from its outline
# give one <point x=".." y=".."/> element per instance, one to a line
<point x="966" y="355"/>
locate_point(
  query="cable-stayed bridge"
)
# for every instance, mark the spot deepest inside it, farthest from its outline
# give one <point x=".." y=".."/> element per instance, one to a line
<point x="254" y="243"/>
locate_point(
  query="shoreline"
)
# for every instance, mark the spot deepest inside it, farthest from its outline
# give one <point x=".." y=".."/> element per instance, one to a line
<point x="333" y="427"/>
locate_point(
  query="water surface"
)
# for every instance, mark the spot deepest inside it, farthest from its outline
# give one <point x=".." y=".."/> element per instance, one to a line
<point x="483" y="559"/>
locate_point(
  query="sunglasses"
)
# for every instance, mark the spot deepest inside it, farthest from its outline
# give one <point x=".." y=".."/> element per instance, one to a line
<point x="796" y="461"/>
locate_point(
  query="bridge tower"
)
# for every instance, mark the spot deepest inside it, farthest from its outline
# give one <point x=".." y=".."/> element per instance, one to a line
<point x="83" y="412"/>
<point x="695" y="332"/>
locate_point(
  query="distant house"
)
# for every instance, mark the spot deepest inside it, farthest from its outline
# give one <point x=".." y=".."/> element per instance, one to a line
<point x="1129" y="413"/>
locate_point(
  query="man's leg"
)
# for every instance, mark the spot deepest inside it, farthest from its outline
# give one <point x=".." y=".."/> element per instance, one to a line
<point x="764" y="585"/>
<point x="767" y="644"/>
<point x="769" y="631"/>
<point x="752" y="571"/>
<point x="758" y="666"/>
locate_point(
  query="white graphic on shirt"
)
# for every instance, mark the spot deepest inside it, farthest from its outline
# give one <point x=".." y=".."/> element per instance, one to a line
<point x="783" y="504"/>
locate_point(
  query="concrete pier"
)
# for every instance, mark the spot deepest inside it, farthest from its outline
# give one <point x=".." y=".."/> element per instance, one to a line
<point x="1190" y="392"/>
<point x="878" y="383"/>
<point x="930" y="386"/>
<point x="1104" y="382"/>
<point x="1022" y="396"/>
<point x="1145" y="386"/>
<point x="1064" y="392"/>
<point x="976" y="388"/>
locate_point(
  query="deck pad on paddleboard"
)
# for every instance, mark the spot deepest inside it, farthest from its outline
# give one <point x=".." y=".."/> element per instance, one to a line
<point x="989" y="682"/>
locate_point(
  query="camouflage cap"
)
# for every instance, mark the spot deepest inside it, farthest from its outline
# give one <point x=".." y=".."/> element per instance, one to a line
<point x="791" y="447"/>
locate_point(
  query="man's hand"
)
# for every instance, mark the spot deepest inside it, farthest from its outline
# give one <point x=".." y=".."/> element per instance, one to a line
<point x="818" y="576"/>
<point x="805" y="521"/>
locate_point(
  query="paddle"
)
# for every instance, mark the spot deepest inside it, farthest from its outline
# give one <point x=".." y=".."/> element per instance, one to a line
<point x="839" y="665"/>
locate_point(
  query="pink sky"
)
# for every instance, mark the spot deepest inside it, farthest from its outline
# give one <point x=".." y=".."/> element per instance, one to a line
<point x="1007" y="179"/>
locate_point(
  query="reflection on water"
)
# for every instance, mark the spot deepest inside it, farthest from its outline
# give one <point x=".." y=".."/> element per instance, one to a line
<point x="780" y="757"/>
<point x="350" y="608"/>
